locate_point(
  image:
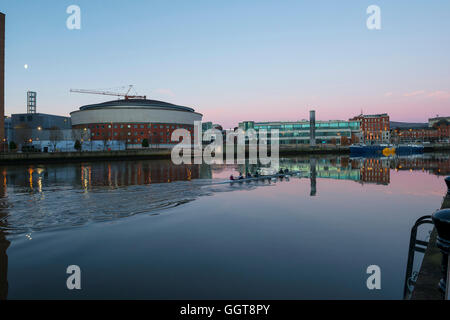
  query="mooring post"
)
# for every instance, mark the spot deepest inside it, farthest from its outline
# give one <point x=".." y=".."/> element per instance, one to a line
<point x="441" y="220"/>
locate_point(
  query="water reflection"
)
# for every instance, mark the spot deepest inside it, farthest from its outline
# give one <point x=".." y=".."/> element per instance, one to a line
<point x="4" y="243"/>
<point x="49" y="196"/>
<point x="361" y="170"/>
<point x="136" y="173"/>
<point x="43" y="197"/>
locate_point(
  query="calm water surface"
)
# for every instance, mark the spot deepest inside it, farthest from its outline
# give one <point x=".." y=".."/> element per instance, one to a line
<point x="152" y="230"/>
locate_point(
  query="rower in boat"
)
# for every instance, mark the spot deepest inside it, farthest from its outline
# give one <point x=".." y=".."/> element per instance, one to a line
<point x="232" y="178"/>
<point x="281" y="171"/>
<point x="249" y="175"/>
<point x="241" y="177"/>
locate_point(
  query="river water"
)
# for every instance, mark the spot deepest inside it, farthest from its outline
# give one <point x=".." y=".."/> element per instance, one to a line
<point x="153" y="230"/>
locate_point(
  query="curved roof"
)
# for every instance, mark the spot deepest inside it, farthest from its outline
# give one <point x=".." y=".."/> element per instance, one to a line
<point x="136" y="103"/>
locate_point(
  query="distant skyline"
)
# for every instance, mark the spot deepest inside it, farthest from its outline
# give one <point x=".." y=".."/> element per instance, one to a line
<point x="236" y="60"/>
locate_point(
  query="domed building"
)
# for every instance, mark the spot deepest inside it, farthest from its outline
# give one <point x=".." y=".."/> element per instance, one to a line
<point x="130" y="121"/>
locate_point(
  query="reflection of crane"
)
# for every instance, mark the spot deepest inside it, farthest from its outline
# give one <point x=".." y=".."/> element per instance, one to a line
<point x="109" y="93"/>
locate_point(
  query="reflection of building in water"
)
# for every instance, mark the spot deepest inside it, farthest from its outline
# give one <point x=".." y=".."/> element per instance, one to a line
<point x="136" y="173"/>
<point x="330" y="167"/>
<point x="363" y="170"/>
<point x="36" y="177"/>
<point x="114" y="174"/>
<point x="4" y="244"/>
<point x="435" y="164"/>
<point x="336" y="167"/>
<point x="312" y="176"/>
<point x="375" y="171"/>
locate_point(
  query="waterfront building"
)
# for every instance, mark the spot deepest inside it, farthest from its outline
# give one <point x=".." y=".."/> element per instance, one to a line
<point x="130" y="121"/>
<point x="210" y="125"/>
<point x="8" y="129"/>
<point x="438" y="132"/>
<point x="433" y="121"/>
<point x="375" y="128"/>
<point x="207" y="126"/>
<point x="37" y="129"/>
<point x="335" y="132"/>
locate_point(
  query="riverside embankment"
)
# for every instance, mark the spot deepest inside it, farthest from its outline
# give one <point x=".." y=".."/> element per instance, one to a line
<point x="150" y="153"/>
<point x="157" y="153"/>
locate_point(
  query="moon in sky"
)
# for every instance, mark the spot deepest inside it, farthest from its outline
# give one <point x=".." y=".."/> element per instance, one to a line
<point x="25" y="66"/>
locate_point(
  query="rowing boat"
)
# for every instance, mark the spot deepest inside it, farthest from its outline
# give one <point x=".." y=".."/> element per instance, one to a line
<point x="262" y="178"/>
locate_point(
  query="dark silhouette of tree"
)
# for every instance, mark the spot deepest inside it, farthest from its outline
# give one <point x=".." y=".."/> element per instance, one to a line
<point x="55" y="135"/>
<point x="77" y="145"/>
<point x="12" y="145"/>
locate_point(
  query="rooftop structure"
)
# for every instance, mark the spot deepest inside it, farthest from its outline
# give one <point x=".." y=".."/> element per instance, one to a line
<point x="31" y="101"/>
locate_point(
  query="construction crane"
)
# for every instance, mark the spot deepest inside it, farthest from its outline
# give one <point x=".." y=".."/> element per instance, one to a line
<point x="110" y="93"/>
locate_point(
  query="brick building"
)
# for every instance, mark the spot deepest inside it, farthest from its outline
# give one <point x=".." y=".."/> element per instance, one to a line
<point x="438" y="132"/>
<point x="375" y="128"/>
<point x="130" y="121"/>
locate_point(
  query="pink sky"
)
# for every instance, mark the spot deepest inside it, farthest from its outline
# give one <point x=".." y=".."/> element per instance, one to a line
<point x="408" y="106"/>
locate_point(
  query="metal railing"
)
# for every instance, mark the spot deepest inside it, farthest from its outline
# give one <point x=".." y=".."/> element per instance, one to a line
<point x="414" y="246"/>
<point x="441" y="221"/>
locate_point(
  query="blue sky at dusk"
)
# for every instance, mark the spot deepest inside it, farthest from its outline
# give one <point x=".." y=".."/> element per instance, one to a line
<point x="235" y="60"/>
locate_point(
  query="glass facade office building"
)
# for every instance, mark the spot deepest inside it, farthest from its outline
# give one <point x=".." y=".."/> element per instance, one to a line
<point x="294" y="133"/>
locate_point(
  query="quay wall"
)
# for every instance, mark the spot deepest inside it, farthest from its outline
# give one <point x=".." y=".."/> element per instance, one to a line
<point x="162" y="153"/>
<point x="13" y="158"/>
